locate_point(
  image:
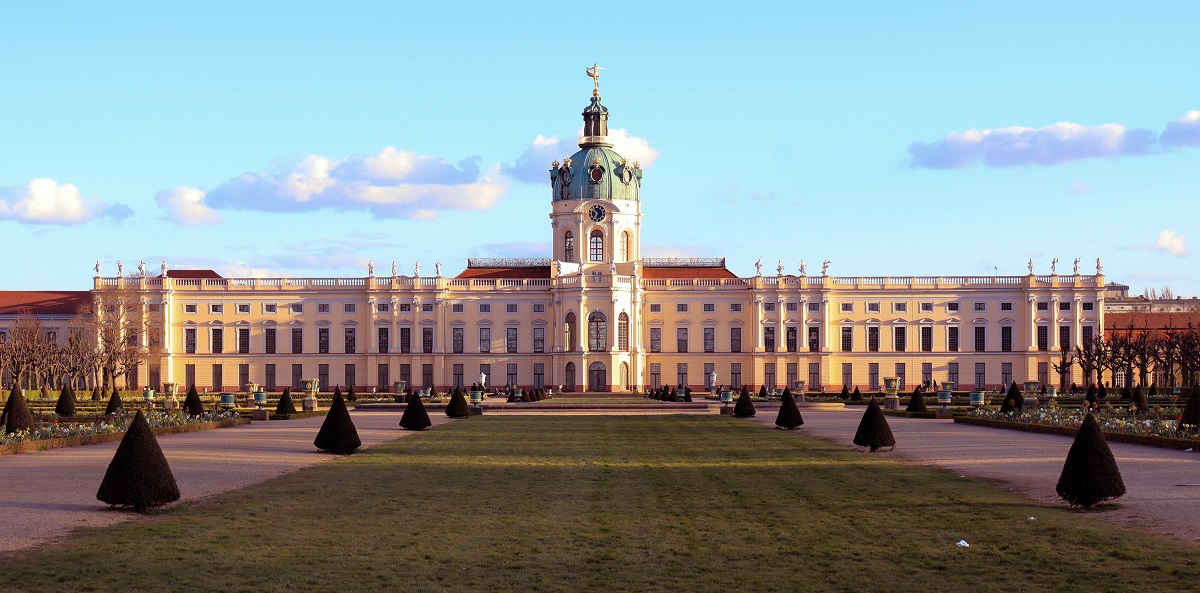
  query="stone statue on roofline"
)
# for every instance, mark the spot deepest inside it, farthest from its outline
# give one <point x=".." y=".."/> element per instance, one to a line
<point x="1031" y="266"/>
<point x="803" y="272"/>
<point x="371" y="268"/>
<point x="758" y="267"/>
<point x="437" y="268"/>
<point x="393" y="268"/>
<point x="163" y="268"/>
<point x="97" y="268"/>
<point x="1077" y="266"/>
<point x="779" y="268"/>
<point x="120" y="269"/>
<point x="1099" y="266"/>
<point x="142" y="268"/>
<point x="1054" y="266"/>
<point x="825" y="268"/>
<point x="416" y="269"/>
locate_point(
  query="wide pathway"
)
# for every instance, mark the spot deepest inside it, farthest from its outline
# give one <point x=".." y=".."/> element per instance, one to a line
<point x="1162" y="485"/>
<point x="46" y="494"/>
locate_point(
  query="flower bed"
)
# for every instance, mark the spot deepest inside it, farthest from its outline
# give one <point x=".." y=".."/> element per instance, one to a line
<point x="1118" y="425"/>
<point x="53" y="435"/>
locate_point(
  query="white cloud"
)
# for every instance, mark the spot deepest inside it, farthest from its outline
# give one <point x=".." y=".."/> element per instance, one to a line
<point x="633" y="148"/>
<point x="533" y="166"/>
<point x="46" y="201"/>
<point x="1171" y="243"/>
<point x="1016" y="146"/>
<point x="392" y="183"/>
<point x="186" y="205"/>
<point x="1183" y="131"/>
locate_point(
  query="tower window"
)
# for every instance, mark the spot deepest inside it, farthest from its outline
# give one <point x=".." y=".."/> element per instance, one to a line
<point x="569" y="246"/>
<point x="625" y="246"/>
<point x="596" y="246"/>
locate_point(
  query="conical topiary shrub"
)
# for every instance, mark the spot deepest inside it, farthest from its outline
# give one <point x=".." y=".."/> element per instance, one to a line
<point x="857" y="395"/>
<point x="1102" y="392"/>
<point x="916" y="403"/>
<point x="337" y="390"/>
<point x="138" y="476"/>
<point x="66" y="402"/>
<point x="845" y="394"/>
<point x="744" y="408"/>
<point x="415" y="417"/>
<point x="17" y="416"/>
<point x="285" y="407"/>
<point x="687" y="394"/>
<point x="525" y="397"/>
<point x="1137" y="402"/>
<point x="1090" y="474"/>
<point x="1190" y="419"/>
<point x="337" y="434"/>
<point x="789" y="415"/>
<point x="1013" y="402"/>
<point x="873" y="430"/>
<point x="762" y="392"/>
<point x="674" y="395"/>
<point x="96" y="395"/>
<point x="512" y="398"/>
<point x="433" y="394"/>
<point x="115" y="405"/>
<point x="351" y="396"/>
<point x="1090" y="397"/>
<point x="457" y="408"/>
<point x="191" y="403"/>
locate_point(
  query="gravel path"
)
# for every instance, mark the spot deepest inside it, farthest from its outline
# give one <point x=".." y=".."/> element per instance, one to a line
<point x="46" y="494"/>
<point x="1162" y="485"/>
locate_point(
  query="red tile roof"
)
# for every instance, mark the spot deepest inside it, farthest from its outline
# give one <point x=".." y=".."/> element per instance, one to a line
<point x="1156" y="322"/>
<point x="42" y="302"/>
<point x="192" y="274"/>
<point x="522" y="272"/>
<point x="683" y="272"/>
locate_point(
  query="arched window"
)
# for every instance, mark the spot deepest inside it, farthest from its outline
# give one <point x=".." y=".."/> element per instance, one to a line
<point x="570" y="337"/>
<point x="596" y="246"/>
<point x="569" y="246"/>
<point x="625" y="246"/>
<point x="597" y="332"/>
<point x="623" y="332"/>
<point x="569" y="382"/>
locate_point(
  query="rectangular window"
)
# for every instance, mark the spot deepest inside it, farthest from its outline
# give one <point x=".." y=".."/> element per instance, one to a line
<point x="952" y="338"/>
<point x="1043" y="373"/>
<point x="323" y="377"/>
<point x="427" y="340"/>
<point x="981" y="306"/>
<point x="847" y="339"/>
<point x="792" y="306"/>
<point x="243" y="340"/>
<point x="980" y="375"/>
<point x="216" y="309"/>
<point x="899" y="307"/>
<point x="456" y="308"/>
<point x="512" y="373"/>
<point x="927" y="338"/>
<point x="218" y="378"/>
<point x="383" y="374"/>
<point x="539" y="340"/>
<point x="1064" y="336"/>
<point x="351" y="340"/>
<point x="189" y="308"/>
<point x="270" y="308"/>
<point x="980" y="342"/>
<point x="656" y="308"/>
<point x="189" y="340"/>
<point x="1006" y="338"/>
<point x="769" y="375"/>
<point x="322" y="340"/>
<point x="1087" y="306"/>
<point x="510" y="341"/>
<point x="656" y="339"/>
<point x="384" y="335"/>
<point x="322" y="307"/>
<point x="485" y="340"/>
<point x="681" y="308"/>
<point x="243" y="308"/>
<point x="297" y="377"/>
<point x="458" y="375"/>
<point x="814" y="338"/>
<point x="383" y="307"/>
<point x="847" y="374"/>
<point x="297" y="308"/>
<point x="1043" y="338"/>
<point x="681" y="339"/>
<point x="814" y="307"/>
<point x="847" y="307"/>
<point x="1006" y="306"/>
<point x="952" y="307"/>
<point x="873" y="338"/>
<point x="269" y="340"/>
<point x="873" y="375"/>
<point x="793" y="373"/>
<point x="406" y="374"/>
<point x="900" y="338"/>
<point x="769" y="307"/>
<point x="735" y="375"/>
<point x="735" y="307"/>
<point x="457" y="338"/>
<point x="297" y="340"/>
<point x="510" y="308"/>
<point x="681" y="374"/>
<point x="814" y="376"/>
<point x="485" y="308"/>
<point x="539" y="308"/>
<point x="1043" y="306"/>
<point x="710" y="307"/>
<point x="405" y="340"/>
<point x="539" y="375"/>
<point x="769" y="339"/>
<point x="709" y="369"/>
<point x="927" y="373"/>
<point x="485" y="370"/>
<point x="710" y="339"/>
<point x="405" y="307"/>
<point x="348" y="308"/>
<point x="351" y="376"/>
<point x="270" y="377"/>
<point x="901" y="374"/>
<point x="735" y="339"/>
<point x="927" y="307"/>
<point x="792" y="338"/>
<point x="243" y="376"/>
<point x="655" y="375"/>
<point x="872" y="307"/>
<point x="1064" y="306"/>
<point x="1006" y="373"/>
<point x="952" y="373"/>
<point x="1087" y="334"/>
<point x="427" y="308"/>
<point x="623" y="333"/>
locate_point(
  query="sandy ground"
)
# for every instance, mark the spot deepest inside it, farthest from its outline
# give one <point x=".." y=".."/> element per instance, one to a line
<point x="1162" y="485"/>
<point x="46" y="494"/>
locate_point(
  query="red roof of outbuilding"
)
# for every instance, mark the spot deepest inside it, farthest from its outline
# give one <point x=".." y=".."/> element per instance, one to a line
<point x="687" y="272"/>
<point x="520" y="272"/>
<point x="1155" y="322"/>
<point x="42" y="302"/>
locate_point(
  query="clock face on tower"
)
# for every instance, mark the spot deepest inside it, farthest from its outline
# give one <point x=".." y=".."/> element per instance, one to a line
<point x="596" y="213"/>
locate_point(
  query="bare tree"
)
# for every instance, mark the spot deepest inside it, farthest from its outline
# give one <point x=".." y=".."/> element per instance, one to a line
<point x="1091" y="355"/>
<point x="28" y="351"/>
<point x="1066" y="359"/>
<point x="117" y="319"/>
<point x="1142" y="347"/>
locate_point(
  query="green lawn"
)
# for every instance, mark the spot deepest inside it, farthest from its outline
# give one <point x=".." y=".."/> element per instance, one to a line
<point x="654" y="503"/>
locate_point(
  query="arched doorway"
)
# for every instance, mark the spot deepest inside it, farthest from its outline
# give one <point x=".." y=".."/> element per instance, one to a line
<point x="597" y="377"/>
<point x="571" y="335"/>
<point x="569" y="380"/>
<point x="624" y="376"/>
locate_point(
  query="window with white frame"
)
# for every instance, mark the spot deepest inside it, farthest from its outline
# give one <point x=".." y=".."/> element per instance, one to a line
<point x="814" y="306"/>
<point x="735" y="307"/>
<point x="456" y="308"/>
<point x="510" y="308"/>
<point x="485" y="308"/>
<point x="655" y="308"/>
<point x="405" y="307"/>
<point x="348" y="307"/>
<point x="322" y="307"/>
<point x="847" y="307"/>
<point x="216" y="308"/>
<point x="710" y="307"/>
<point x="872" y="307"/>
<point x="270" y="308"/>
<point x="189" y="308"/>
<point x="927" y="307"/>
<point x="792" y="306"/>
<point x="427" y="308"/>
<point x="297" y="307"/>
<point x="383" y="307"/>
<point x="899" y="307"/>
<point x="769" y="307"/>
<point x="243" y="308"/>
<point x="681" y="308"/>
<point x="981" y="306"/>
<point x="539" y="308"/>
<point x="952" y="307"/>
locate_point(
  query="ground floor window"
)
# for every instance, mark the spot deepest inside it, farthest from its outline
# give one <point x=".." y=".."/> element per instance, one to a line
<point x="952" y="373"/>
<point x="1006" y="373"/>
<point x="900" y="374"/>
<point x="814" y="375"/>
<point x="980" y="375"/>
<point x="735" y="375"/>
<point x="189" y="375"/>
<point x="847" y="374"/>
<point x="655" y="375"/>
<point x="243" y="376"/>
<point x="270" y="378"/>
<point x="427" y="375"/>
<point x="769" y="375"/>
<point x="384" y="382"/>
<point x="458" y="375"/>
<point x="539" y="375"/>
<point x="709" y="369"/>
<point x="406" y="375"/>
<point x="218" y="378"/>
<point x="873" y="375"/>
<point x="323" y="377"/>
<point x="1043" y="373"/>
<point x="681" y="371"/>
<point x="350" y="376"/>
<point x="793" y="373"/>
<point x="297" y="377"/>
<point x="512" y="374"/>
<point x="927" y="373"/>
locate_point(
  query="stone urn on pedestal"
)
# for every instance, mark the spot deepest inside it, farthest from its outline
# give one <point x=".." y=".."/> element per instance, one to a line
<point x="1031" y="394"/>
<point x="309" y="403"/>
<point x="891" y="385"/>
<point x="945" y="395"/>
<point x="798" y="387"/>
<point x="169" y="402"/>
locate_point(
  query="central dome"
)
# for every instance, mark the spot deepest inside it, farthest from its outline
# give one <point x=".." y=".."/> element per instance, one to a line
<point x="596" y="172"/>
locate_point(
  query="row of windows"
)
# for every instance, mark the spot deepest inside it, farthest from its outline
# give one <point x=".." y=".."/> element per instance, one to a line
<point x="952" y="307"/>
<point x="900" y="338"/>
<point x="350" y="344"/>
<point x="768" y="306"/>
<point x="244" y="308"/>
<point x="595" y="246"/>
<point x="709" y="342"/>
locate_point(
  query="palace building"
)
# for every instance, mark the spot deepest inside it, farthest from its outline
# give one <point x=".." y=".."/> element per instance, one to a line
<point x="596" y="315"/>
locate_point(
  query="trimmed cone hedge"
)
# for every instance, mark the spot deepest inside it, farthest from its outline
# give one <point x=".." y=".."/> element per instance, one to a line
<point x="1190" y="420"/>
<point x="1090" y="397"/>
<point x="115" y="405"/>
<point x="856" y="396"/>
<point x="65" y="406"/>
<point x="16" y="413"/>
<point x="96" y="395"/>
<point x="744" y="408"/>
<point x="415" y="417"/>
<point x="916" y="403"/>
<point x="457" y="408"/>
<point x="191" y="403"/>
<point x="873" y="430"/>
<point x="845" y="394"/>
<point x="337" y="434"/>
<point x="1139" y="401"/>
<point x="789" y="415"/>
<point x="1090" y="474"/>
<point x="285" y="407"/>
<point x="351" y="396"/>
<point x="138" y="476"/>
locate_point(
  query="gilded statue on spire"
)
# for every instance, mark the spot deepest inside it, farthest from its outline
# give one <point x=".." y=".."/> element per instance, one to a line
<point x="594" y="73"/>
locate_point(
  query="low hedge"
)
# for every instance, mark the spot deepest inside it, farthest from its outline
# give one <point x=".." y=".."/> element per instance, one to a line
<point x="1112" y="437"/>
<point x="108" y="437"/>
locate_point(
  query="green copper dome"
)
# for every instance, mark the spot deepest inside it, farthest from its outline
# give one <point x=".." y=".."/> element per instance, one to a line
<point x="596" y="172"/>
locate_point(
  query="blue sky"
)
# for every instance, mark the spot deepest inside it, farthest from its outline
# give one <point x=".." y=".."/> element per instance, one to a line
<point x="303" y="139"/>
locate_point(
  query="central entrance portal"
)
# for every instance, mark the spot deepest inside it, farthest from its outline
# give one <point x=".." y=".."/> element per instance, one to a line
<point x="597" y="377"/>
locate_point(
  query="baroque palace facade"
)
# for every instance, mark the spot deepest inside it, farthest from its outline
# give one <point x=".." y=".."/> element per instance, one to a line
<point x="596" y="315"/>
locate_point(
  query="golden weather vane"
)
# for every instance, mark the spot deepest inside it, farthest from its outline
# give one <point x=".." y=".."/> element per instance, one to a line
<point x="594" y="73"/>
